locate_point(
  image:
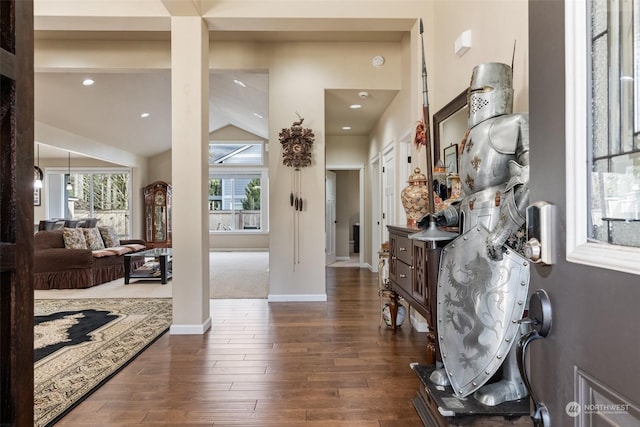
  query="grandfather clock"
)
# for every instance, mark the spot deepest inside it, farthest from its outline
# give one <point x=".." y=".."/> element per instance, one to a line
<point x="157" y="214"/>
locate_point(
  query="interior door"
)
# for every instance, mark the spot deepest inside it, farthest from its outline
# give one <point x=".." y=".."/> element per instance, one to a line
<point x="376" y="213"/>
<point x="586" y="370"/>
<point x="330" y="217"/>
<point x="389" y="194"/>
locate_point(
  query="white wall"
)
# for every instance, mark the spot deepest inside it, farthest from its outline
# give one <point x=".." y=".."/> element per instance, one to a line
<point x="299" y="74"/>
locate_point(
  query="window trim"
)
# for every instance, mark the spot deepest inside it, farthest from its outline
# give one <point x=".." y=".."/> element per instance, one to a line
<point x="264" y="197"/>
<point x="57" y="170"/>
<point x="578" y="249"/>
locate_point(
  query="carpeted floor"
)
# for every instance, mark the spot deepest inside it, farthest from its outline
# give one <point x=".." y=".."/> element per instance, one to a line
<point x="238" y="274"/>
<point x="81" y="343"/>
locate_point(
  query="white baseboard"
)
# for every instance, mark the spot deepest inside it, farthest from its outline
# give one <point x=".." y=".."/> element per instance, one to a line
<point x="190" y="329"/>
<point x="342" y="258"/>
<point x="418" y="322"/>
<point x="298" y="298"/>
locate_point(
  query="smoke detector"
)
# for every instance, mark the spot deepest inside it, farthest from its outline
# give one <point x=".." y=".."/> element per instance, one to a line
<point x="363" y="94"/>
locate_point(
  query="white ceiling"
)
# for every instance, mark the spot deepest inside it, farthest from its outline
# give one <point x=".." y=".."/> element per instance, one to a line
<point x="109" y="111"/>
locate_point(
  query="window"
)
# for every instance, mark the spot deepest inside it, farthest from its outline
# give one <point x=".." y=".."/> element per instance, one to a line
<point x="603" y="128"/>
<point x="237" y="201"/>
<point x="102" y="194"/>
<point x="615" y="152"/>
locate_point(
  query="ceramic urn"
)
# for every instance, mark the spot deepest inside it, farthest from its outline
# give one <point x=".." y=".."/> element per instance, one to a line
<point x="415" y="197"/>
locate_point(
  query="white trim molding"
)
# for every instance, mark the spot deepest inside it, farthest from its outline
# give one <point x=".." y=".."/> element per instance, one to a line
<point x="190" y="329"/>
<point x="579" y="249"/>
<point x="298" y="298"/>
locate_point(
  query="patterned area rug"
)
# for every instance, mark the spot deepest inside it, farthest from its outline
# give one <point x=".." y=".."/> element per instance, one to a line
<point x="81" y="343"/>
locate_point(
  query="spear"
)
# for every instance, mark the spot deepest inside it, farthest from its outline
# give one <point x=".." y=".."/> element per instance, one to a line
<point x="426" y="122"/>
<point x="432" y="233"/>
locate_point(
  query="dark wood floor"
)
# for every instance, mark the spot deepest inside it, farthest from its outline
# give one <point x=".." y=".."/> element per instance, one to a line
<point x="272" y="364"/>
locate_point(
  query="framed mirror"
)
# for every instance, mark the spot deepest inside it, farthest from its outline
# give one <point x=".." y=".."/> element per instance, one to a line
<point x="449" y="125"/>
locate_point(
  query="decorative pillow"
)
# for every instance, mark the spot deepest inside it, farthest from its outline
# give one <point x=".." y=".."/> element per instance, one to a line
<point x="74" y="238"/>
<point x="135" y="247"/>
<point x="119" y="250"/>
<point x="93" y="238"/>
<point x="109" y="236"/>
<point x="102" y="253"/>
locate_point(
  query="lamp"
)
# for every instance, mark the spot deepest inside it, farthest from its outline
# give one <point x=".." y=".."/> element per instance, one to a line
<point x="37" y="172"/>
<point x="69" y="186"/>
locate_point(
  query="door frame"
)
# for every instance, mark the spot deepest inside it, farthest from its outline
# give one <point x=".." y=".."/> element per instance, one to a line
<point x="361" y="216"/>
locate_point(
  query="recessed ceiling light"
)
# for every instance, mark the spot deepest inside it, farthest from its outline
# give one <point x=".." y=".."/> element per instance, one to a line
<point x="258" y="115"/>
<point x="355" y="106"/>
<point x="88" y="82"/>
<point x="145" y="115"/>
<point x="239" y="83"/>
<point x="346" y="127"/>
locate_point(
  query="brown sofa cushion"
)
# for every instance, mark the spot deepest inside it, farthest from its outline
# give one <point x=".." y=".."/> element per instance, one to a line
<point x="47" y="239"/>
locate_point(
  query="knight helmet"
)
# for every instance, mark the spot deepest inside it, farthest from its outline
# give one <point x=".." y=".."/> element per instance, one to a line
<point x="490" y="92"/>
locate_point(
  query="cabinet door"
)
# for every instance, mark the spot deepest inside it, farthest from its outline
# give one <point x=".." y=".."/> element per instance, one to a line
<point x="419" y="281"/>
<point x="393" y="257"/>
<point x="159" y="216"/>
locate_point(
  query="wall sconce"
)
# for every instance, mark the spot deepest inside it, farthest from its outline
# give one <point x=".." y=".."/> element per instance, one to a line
<point x="69" y="186"/>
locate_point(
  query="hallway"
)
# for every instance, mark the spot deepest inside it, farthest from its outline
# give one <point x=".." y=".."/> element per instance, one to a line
<point x="272" y="364"/>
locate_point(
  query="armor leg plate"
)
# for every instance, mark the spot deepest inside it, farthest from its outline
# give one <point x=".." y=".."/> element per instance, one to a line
<point x="510" y="387"/>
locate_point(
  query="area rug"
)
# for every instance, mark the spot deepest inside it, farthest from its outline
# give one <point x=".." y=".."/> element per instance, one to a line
<point x="81" y="343"/>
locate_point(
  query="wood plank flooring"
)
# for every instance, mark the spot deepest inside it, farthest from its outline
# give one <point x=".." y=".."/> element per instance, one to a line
<point x="272" y="364"/>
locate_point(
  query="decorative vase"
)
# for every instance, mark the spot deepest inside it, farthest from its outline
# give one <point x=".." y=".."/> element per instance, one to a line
<point x="415" y="197"/>
<point x="386" y="314"/>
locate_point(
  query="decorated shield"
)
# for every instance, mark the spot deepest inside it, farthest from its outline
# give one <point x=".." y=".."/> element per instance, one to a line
<point x="480" y="301"/>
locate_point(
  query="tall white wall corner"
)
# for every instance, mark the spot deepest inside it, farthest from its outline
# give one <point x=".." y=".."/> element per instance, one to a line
<point x="463" y="43"/>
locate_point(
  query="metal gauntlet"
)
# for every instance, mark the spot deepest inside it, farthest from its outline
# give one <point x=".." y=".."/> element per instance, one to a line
<point x="512" y="216"/>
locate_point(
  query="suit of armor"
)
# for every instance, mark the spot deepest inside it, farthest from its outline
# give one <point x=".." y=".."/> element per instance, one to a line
<point x="494" y="174"/>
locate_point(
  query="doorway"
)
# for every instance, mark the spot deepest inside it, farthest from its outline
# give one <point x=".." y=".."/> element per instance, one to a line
<point x="346" y="229"/>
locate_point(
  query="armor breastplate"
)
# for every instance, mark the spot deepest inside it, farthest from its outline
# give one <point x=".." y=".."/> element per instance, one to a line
<point x="481" y="164"/>
<point x="482" y="207"/>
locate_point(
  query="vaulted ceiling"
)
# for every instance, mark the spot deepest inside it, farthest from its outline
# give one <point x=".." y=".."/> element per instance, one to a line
<point x="109" y="111"/>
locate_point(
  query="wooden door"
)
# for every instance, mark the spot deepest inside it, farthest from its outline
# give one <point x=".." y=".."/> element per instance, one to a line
<point x="586" y="370"/>
<point x="16" y="213"/>
<point x="330" y="217"/>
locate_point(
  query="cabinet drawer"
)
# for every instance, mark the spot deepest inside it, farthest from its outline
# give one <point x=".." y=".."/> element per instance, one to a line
<point x="403" y="249"/>
<point x="404" y="277"/>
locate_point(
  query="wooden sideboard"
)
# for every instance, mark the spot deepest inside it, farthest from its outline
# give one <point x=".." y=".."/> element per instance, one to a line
<point x="413" y="275"/>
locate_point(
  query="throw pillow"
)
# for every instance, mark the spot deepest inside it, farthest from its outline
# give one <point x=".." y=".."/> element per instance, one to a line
<point x="74" y="238"/>
<point x="93" y="238"/>
<point x="109" y="236"/>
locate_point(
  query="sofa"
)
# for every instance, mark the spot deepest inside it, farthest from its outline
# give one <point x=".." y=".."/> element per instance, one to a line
<point x="77" y="258"/>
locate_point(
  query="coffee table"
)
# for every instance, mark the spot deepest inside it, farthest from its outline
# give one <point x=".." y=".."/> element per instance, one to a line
<point x="157" y="265"/>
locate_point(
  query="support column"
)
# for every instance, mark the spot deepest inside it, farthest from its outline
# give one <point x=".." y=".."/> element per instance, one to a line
<point x="190" y="172"/>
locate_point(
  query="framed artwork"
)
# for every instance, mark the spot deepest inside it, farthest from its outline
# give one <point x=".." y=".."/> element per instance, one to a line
<point x="36" y="196"/>
<point x="451" y="159"/>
